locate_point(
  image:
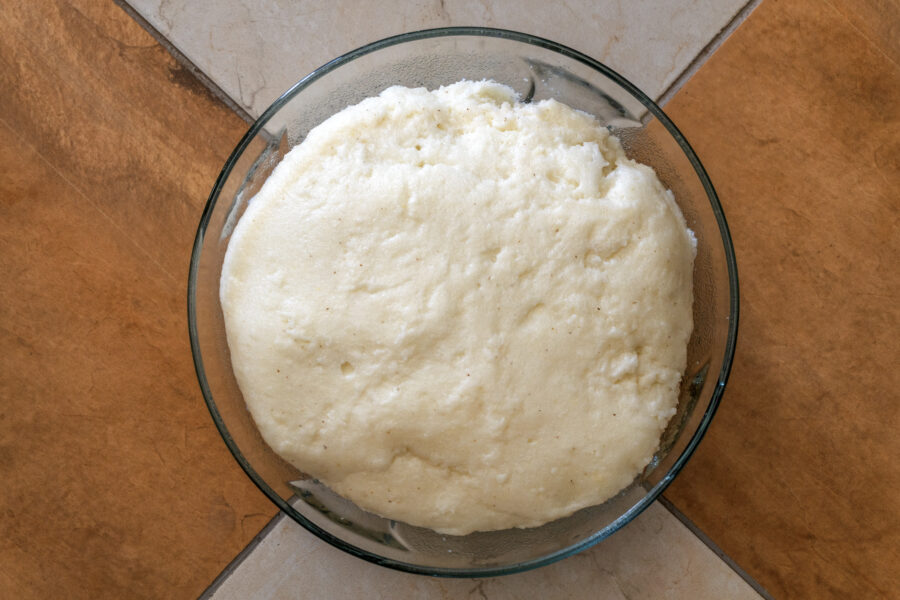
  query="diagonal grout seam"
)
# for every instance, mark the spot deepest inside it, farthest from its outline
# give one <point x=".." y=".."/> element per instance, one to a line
<point x="87" y="198"/>
<point x="242" y="556"/>
<point x="689" y="71"/>
<point x="875" y="45"/>
<point x="236" y="562"/>
<point x="707" y="51"/>
<point x="184" y="61"/>
<point x="698" y="533"/>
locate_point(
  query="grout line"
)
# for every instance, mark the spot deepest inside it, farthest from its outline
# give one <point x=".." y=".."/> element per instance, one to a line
<point x="87" y="198"/>
<point x="689" y="71"/>
<point x="707" y="51"/>
<point x="863" y="34"/>
<point x="241" y="557"/>
<point x="698" y="533"/>
<point x="229" y="570"/>
<point x="184" y="61"/>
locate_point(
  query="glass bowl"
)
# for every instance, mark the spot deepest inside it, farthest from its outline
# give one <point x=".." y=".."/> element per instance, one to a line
<point x="537" y="69"/>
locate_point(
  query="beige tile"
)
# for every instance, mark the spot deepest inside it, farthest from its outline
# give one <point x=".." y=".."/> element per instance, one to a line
<point x="255" y="49"/>
<point x="655" y="556"/>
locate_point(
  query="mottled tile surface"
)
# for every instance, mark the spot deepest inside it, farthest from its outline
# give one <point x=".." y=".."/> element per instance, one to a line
<point x="255" y="49"/>
<point x="655" y="556"/>
<point x="117" y="485"/>
<point x="115" y="482"/>
<point x="797" y="119"/>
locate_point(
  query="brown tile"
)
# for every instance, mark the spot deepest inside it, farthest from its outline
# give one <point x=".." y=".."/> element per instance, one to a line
<point x="116" y="483"/>
<point x="877" y="20"/>
<point x="797" y="120"/>
<point x="111" y="109"/>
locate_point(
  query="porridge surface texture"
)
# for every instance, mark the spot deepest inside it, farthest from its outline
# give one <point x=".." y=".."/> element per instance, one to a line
<point x="461" y="311"/>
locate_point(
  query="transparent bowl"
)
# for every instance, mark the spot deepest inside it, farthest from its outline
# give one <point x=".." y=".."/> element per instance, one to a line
<point x="537" y="69"/>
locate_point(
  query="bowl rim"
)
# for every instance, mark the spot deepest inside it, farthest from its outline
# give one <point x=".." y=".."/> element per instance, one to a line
<point x="653" y="493"/>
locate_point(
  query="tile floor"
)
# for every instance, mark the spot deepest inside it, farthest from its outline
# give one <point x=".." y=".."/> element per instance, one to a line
<point x="117" y="484"/>
<point x="252" y="52"/>
<point x="255" y="49"/>
<point x="655" y="556"/>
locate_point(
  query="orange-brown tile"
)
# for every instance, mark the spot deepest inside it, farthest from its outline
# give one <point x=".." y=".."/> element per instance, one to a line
<point x="796" y="118"/>
<point x="116" y="483"/>
<point x="113" y="111"/>
<point x="877" y="20"/>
